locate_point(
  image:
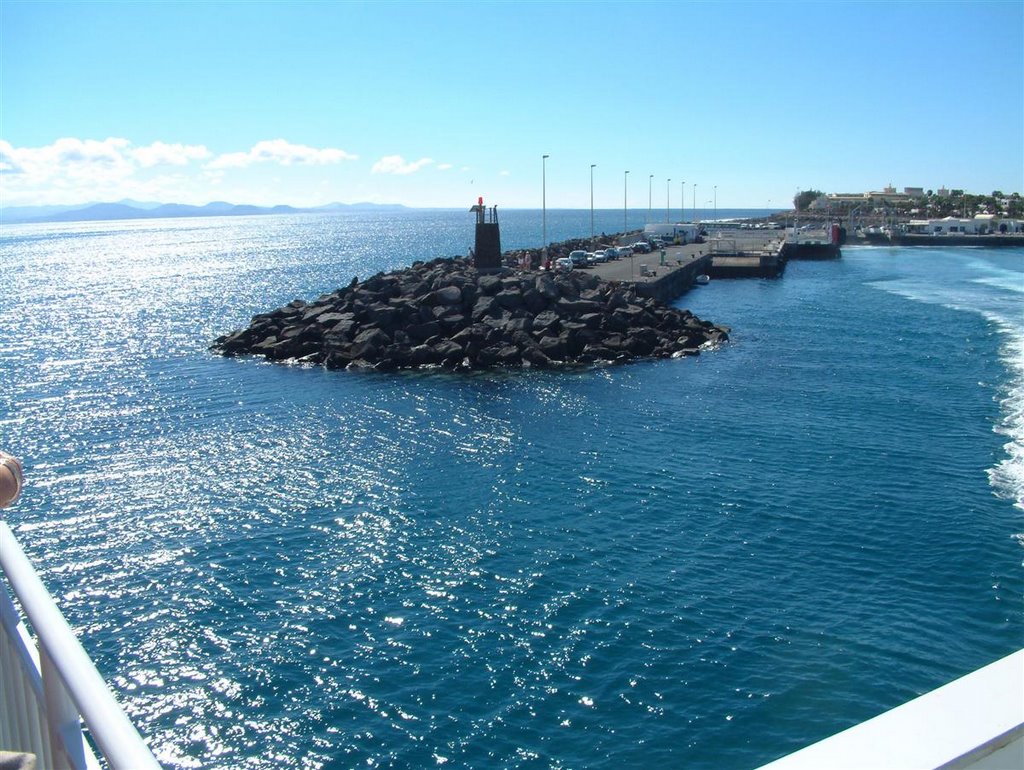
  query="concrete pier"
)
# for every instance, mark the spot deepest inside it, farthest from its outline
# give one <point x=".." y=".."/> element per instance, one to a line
<point x="665" y="281"/>
<point x="746" y="254"/>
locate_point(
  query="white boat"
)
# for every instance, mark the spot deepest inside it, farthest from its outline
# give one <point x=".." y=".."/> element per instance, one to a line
<point x="702" y="280"/>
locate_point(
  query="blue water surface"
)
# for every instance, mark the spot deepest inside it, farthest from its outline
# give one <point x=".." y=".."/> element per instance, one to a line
<point x="703" y="563"/>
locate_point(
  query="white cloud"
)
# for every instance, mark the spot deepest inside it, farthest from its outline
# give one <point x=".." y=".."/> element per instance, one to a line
<point x="444" y="166"/>
<point x="160" y="153"/>
<point x="67" y="171"/>
<point x="8" y="164"/>
<point x="87" y="160"/>
<point x="72" y="170"/>
<point x="65" y="158"/>
<point x="396" y="164"/>
<point x="282" y="152"/>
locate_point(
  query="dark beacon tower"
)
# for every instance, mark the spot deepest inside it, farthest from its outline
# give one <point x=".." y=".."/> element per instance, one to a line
<point x="487" y="253"/>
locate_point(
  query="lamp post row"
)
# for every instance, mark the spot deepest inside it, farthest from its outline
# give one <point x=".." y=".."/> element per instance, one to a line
<point x="625" y="200"/>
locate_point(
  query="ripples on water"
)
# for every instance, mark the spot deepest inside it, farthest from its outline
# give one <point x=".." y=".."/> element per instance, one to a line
<point x="704" y="563"/>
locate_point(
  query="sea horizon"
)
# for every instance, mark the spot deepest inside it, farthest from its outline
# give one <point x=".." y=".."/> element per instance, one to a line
<point x="59" y="213"/>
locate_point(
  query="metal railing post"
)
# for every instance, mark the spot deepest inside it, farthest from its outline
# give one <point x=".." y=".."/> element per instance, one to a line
<point x="68" y="674"/>
<point x="63" y="722"/>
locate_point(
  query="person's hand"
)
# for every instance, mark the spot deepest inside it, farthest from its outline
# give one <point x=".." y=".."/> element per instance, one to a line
<point x="11" y="479"/>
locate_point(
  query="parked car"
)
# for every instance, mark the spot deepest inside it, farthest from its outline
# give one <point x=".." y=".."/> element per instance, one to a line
<point x="612" y="253"/>
<point x="601" y="256"/>
<point x="625" y="251"/>
<point x="596" y="257"/>
<point x="642" y="247"/>
<point x="563" y="264"/>
<point x="579" y="258"/>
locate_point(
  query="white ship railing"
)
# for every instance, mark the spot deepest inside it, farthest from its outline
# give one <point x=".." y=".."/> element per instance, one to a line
<point x="975" y="722"/>
<point x="48" y="690"/>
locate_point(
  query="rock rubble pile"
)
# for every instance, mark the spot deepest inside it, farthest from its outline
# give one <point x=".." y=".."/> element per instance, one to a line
<point x="443" y="313"/>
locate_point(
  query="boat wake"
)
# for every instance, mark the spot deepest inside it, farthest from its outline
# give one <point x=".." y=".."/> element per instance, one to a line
<point x="993" y="292"/>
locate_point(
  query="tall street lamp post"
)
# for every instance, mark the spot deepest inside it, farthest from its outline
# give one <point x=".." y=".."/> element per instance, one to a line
<point x="544" y="206"/>
<point x="695" y="201"/>
<point x="682" y="201"/>
<point x="668" y="197"/>
<point x="592" y="165"/>
<point x="650" y="181"/>
<point x="625" y="188"/>
<point x="716" y="203"/>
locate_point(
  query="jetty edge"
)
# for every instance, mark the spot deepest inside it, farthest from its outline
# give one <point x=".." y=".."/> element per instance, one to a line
<point x="447" y="314"/>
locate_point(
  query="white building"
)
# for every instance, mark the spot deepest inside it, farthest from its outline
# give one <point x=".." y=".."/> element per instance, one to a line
<point x="886" y="195"/>
<point x="982" y="224"/>
<point x="685" y="233"/>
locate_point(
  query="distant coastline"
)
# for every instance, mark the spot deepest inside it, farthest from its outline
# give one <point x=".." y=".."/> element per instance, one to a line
<point x="135" y="210"/>
<point x="130" y="209"/>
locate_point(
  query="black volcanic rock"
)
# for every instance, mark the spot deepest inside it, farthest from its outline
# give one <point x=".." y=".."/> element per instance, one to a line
<point x="443" y="313"/>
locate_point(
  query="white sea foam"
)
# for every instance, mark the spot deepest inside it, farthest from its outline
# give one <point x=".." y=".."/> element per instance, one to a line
<point x="994" y="293"/>
<point x="1007" y="476"/>
<point x="1009" y="281"/>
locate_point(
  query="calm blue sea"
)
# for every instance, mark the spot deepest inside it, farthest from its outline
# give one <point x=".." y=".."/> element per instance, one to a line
<point x="701" y="563"/>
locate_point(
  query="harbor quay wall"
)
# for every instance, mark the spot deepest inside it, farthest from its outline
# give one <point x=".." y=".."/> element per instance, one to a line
<point x="746" y="253"/>
<point x="675" y="281"/>
<point x="766" y="266"/>
<point x="995" y="239"/>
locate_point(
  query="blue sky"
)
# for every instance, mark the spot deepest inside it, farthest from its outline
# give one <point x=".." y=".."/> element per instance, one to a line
<point x="433" y="104"/>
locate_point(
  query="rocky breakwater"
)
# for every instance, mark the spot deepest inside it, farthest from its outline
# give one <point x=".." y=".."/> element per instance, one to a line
<point x="444" y="313"/>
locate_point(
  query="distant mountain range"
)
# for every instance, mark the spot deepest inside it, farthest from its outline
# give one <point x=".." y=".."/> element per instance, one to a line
<point x="129" y="209"/>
